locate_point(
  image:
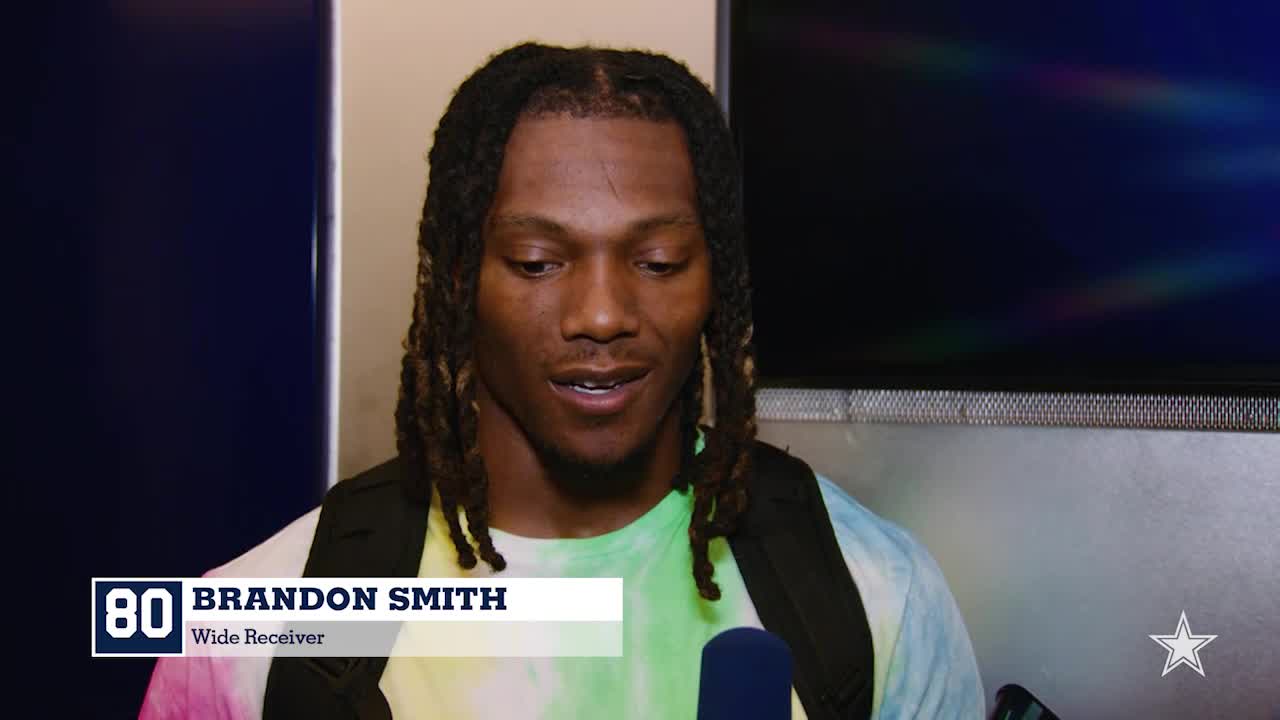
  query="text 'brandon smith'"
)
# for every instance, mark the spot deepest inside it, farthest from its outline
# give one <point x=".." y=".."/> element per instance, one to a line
<point x="355" y="598"/>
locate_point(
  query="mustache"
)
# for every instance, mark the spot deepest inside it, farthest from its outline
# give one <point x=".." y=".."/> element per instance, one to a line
<point x="604" y="356"/>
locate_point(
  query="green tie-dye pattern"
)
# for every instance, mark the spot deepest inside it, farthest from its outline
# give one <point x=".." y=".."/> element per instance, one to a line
<point x="666" y="624"/>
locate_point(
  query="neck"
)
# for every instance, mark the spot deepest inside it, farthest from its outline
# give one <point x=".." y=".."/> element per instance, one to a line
<point x="532" y="496"/>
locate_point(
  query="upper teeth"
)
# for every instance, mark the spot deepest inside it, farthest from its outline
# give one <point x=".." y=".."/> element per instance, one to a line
<point x="594" y="387"/>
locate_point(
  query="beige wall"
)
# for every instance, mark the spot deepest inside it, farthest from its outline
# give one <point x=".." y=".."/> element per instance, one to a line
<point x="400" y="62"/>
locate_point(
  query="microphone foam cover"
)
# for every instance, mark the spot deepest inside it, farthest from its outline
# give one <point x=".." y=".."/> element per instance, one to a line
<point x="746" y="675"/>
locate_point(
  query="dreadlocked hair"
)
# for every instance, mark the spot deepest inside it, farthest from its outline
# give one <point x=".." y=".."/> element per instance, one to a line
<point x="436" y="414"/>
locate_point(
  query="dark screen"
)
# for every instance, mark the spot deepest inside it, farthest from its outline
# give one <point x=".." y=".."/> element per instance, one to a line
<point x="168" y="392"/>
<point x="1002" y="195"/>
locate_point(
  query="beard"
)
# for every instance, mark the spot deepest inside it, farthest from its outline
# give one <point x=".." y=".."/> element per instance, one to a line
<point x="592" y="479"/>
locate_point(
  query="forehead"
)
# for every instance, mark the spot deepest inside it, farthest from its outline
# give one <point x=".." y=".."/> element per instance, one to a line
<point x="598" y="167"/>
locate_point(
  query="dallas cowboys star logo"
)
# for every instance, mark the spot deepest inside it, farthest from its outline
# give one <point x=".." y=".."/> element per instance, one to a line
<point x="1184" y="648"/>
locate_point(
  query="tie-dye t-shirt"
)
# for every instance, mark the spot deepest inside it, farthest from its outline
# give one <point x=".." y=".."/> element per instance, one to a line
<point x="924" y="663"/>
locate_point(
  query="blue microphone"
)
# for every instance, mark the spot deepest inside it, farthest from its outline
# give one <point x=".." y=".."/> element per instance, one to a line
<point x="746" y="675"/>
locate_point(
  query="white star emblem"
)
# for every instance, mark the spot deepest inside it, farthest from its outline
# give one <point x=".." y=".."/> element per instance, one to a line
<point x="1184" y="648"/>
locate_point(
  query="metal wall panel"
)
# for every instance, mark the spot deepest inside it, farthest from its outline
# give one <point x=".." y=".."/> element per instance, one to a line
<point x="1067" y="547"/>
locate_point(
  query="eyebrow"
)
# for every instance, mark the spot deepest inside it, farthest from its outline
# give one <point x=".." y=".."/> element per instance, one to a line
<point x="547" y="226"/>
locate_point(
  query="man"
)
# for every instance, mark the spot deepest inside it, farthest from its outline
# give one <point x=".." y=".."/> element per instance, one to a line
<point x="582" y="267"/>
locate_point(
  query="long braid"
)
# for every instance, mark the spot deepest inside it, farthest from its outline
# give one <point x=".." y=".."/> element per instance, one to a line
<point x="433" y="404"/>
<point x="691" y="412"/>
<point x="475" y="501"/>
<point x="720" y="495"/>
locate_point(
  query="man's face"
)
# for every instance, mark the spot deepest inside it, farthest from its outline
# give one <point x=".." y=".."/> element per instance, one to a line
<point x="594" y="286"/>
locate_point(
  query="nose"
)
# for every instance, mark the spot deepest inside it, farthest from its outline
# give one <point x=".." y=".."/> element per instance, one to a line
<point x="601" y="305"/>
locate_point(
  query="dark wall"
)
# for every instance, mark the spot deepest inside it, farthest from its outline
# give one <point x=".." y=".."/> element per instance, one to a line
<point x="167" y="331"/>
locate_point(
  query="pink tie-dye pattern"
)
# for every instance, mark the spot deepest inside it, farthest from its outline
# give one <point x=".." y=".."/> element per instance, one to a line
<point x="194" y="687"/>
<point x="228" y="688"/>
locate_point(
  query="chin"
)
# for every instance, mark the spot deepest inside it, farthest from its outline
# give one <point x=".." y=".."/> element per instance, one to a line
<point x="600" y="456"/>
<point x="600" y="451"/>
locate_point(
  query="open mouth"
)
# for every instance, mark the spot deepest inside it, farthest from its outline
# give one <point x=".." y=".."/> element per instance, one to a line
<point x="600" y="392"/>
<point x="590" y="388"/>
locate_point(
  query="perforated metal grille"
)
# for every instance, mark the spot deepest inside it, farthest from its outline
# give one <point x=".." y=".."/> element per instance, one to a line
<point x="1182" y="412"/>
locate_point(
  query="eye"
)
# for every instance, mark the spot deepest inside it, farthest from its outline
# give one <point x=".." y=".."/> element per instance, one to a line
<point x="532" y="268"/>
<point x="658" y="268"/>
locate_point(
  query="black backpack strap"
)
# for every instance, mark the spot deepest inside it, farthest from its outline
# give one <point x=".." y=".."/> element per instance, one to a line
<point x="800" y="585"/>
<point x="367" y="528"/>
